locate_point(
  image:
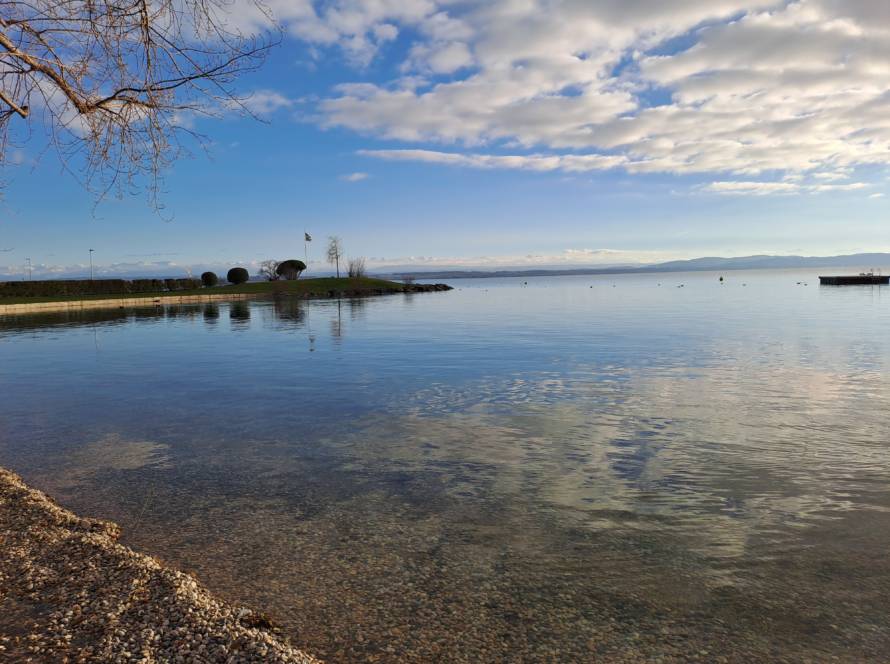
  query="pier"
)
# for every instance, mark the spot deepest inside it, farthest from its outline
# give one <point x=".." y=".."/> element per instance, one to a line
<point x="855" y="280"/>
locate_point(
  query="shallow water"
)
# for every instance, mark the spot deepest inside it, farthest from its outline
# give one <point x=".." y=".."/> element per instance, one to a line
<point x="571" y="469"/>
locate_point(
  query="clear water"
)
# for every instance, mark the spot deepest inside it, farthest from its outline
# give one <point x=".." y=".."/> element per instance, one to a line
<point x="572" y="469"/>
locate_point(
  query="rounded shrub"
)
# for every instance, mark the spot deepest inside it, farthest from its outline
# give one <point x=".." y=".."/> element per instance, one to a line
<point x="290" y="269"/>
<point x="237" y="275"/>
<point x="209" y="279"/>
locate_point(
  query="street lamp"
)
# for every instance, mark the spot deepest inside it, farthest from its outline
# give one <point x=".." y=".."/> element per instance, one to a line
<point x="29" y="268"/>
<point x="91" y="264"/>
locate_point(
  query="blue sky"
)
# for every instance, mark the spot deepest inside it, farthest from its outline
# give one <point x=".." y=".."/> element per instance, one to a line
<point x="439" y="134"/>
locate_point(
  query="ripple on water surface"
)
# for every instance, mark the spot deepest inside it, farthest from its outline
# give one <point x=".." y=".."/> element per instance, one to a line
<point x="503" y="473"/>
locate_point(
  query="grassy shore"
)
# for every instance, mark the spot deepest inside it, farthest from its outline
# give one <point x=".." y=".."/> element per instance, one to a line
<point x="316" y="287"/>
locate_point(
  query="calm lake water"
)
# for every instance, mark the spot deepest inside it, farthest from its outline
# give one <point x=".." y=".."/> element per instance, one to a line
<point x="574" y="469"/>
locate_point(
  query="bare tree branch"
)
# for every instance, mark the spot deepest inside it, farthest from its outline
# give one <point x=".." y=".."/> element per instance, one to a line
<point x="114" y="82"/>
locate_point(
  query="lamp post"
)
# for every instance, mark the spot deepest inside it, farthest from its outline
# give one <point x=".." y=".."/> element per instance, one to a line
<point x="29" y="268"/>
<point x="91" y="264"/>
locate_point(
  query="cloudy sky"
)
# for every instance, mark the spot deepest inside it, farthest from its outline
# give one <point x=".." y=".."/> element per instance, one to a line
<point x="513" y="132"/>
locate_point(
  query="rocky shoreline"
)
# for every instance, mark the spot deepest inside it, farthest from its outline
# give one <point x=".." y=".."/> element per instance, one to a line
<point x="69" y="592"/>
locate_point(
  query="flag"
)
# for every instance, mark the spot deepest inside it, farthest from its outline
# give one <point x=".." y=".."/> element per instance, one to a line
<point x="308" y="237"/>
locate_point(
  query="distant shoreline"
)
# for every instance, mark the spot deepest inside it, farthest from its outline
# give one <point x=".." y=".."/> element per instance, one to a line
<point x="304" y="288"/>
<point x="707" y="264"/>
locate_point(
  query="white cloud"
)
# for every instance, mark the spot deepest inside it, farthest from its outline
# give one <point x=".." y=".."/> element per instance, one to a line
<point x="791" y="184"/>
<point x="440" y="58"/>
<point x="568" y="258"/>
<point x="796" y="186"/>
<point x="535" y="162"/>
<point x="752" y="188"/>
<point x="265" y="102"/>
<point x="354" y="177"/>
<point x="757" y="87"/>
<point x="118" y="269"/>
<point x="358" y="27"/>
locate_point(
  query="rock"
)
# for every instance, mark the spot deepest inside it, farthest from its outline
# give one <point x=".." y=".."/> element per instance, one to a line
<point x="174" y="616"/>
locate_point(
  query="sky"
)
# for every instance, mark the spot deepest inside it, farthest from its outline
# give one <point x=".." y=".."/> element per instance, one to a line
<point x="507" y="133"/>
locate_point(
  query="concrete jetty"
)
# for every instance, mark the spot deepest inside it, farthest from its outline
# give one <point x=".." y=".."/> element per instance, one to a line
<point x="855" y="280"/>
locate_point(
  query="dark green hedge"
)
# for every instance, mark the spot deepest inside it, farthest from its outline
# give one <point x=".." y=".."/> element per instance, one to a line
<point x="237" y="275"/>
<point x="96" y="287"/>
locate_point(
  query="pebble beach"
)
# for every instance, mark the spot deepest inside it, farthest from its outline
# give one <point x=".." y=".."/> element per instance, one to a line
<point x="69" y="592"/>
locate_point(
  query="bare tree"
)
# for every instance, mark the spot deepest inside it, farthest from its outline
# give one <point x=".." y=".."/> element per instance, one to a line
<point x="115" y="82"/>
<point x="335" y="252"/>
<point x="269" y="270"/>
<point x="357" y="267"/>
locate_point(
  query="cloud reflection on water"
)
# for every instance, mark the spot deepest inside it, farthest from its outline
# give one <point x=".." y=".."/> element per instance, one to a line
<point x="717" y="456"/>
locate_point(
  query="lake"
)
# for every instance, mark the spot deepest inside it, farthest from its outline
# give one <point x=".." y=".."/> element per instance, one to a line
<point x="566" y="469"/>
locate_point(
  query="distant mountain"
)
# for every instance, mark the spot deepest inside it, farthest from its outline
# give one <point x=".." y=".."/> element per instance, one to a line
<point x="774" y="262"/>
<point x="709" y="263"/>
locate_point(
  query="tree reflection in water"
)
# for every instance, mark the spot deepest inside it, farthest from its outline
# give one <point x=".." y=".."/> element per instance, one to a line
<point x="211" y="313"/>
<point x="239" y="315"/>
<point x="290" y="311"/>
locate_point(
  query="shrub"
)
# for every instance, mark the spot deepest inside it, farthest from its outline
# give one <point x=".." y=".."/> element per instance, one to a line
<point x="357" y="267"/>
<point x="237" y="275"/>
<point x="74" y="287"/>
<point x="290" y="269"/>
<point x="182" y="284"/>
<point x="209" y="279"/>
<point x="146" y="285"/>
<point x="63" y="287"/>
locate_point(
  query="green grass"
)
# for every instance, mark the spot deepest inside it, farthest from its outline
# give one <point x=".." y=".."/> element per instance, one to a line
<point x="309" y="287"/>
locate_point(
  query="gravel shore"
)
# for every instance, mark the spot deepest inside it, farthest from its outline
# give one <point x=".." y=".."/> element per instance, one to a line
<point x="69" y="592"/>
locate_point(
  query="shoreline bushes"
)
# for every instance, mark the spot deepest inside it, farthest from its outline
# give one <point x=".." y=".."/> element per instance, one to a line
<point x="69" y="287"/>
